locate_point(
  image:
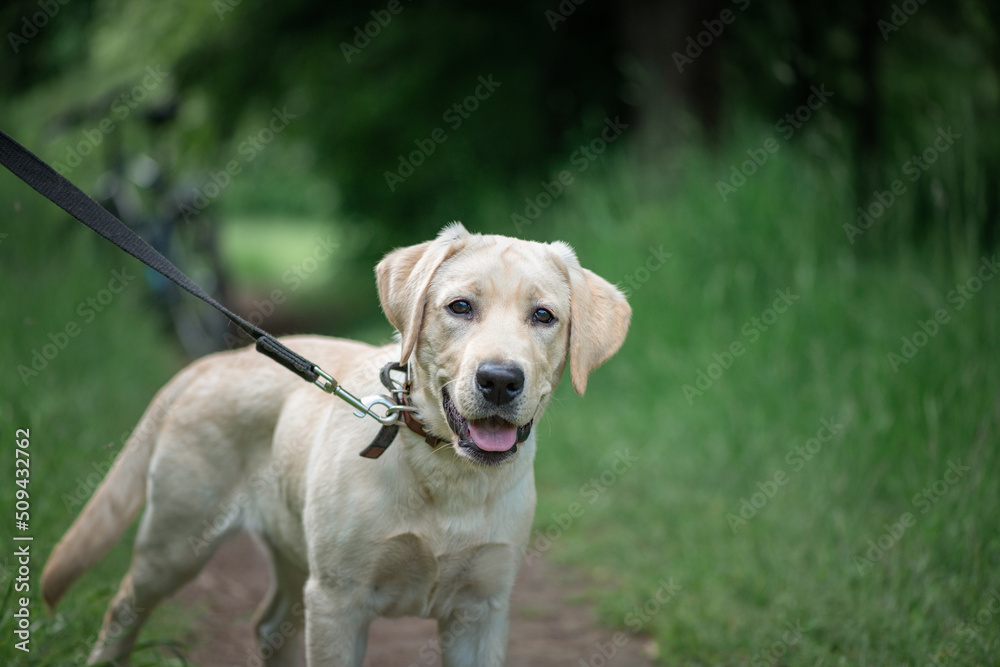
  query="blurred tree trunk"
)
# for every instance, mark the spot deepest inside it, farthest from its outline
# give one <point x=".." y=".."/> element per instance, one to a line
<point x="671" y="84"/>
<point x="989" y="232"/>
<point x="867" y="111"/>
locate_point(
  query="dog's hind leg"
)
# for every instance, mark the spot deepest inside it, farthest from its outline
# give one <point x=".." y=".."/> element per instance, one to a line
<point x="281" y="616"/>
<point x="158" y="569"/>
<point x="189" y="514"/>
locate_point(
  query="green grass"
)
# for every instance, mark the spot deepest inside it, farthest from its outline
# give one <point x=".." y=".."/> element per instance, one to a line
<point x="78" y="407"/>
<point x="663" y="518"/>
<point x="669" y="515"/>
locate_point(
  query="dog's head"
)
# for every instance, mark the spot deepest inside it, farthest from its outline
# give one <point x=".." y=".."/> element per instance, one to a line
<point x="490" y="322"/>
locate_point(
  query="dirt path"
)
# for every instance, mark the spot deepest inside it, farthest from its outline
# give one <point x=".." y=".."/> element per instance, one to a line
<point x="548" y="627"/>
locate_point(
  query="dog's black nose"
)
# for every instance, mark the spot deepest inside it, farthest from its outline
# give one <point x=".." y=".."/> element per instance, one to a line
<point x="500" y="382"/>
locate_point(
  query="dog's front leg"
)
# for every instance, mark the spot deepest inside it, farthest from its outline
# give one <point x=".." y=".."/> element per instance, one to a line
<point x="475" y="636"/>
<point x="336" y="630"/>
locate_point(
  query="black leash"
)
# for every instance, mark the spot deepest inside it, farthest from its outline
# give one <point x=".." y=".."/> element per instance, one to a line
<point x="56" y="188"/>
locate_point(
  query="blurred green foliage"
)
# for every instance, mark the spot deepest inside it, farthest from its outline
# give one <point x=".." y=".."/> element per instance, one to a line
<point x="362" y="101"/>
<point x="788" y="225"/>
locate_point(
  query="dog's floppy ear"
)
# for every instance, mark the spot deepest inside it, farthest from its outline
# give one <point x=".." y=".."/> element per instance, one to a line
<point x="403" y="277"/>
<point x="599" y="318"/>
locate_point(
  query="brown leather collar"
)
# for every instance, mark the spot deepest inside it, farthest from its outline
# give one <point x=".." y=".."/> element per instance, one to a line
<point x="414" y="424"/>
<point x="401" y="392"/>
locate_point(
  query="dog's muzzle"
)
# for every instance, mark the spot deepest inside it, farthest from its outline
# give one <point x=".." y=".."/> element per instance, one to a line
<point x="491" y="441"/>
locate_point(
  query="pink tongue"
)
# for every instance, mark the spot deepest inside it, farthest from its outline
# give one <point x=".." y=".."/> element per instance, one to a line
<point x="493" y="438"/>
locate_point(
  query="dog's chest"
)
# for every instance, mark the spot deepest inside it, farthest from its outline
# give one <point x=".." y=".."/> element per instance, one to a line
<point x="409" y="580"/>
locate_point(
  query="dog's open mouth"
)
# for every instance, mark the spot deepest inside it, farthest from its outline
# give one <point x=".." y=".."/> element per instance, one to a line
<point x="492" y="440"/>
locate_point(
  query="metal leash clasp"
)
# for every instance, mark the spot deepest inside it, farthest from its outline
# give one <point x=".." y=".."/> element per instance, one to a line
<point x="325" y="381"/>
<point x="363" y="406"/>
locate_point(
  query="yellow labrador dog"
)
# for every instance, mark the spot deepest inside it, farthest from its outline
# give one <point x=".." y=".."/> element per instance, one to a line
<point x="234" y="441"/>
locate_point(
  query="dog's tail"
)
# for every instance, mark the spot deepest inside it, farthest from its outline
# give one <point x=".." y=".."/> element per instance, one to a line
<point x="113" y="506"/>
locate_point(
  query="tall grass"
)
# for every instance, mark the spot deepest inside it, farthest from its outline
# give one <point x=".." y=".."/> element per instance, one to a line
<point x="79" y="394"/>
<point x="907" y="461"/>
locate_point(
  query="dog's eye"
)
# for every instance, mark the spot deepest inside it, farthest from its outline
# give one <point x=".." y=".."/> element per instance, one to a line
<point x="543" y="316"/>
<point x="460" y="307"/>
